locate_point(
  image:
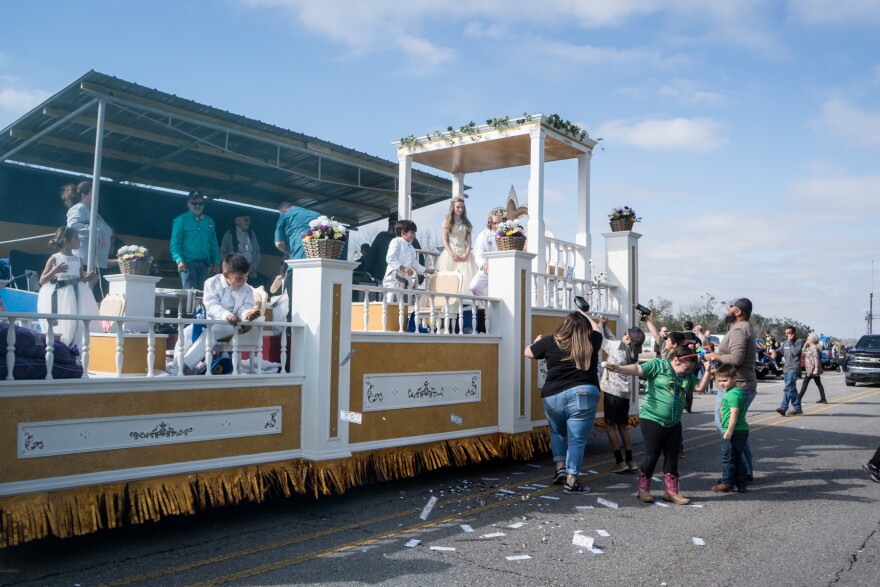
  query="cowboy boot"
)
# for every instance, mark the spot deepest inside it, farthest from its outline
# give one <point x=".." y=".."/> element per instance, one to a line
<point x="644" y="488"/>
<point x="672" y="494"/>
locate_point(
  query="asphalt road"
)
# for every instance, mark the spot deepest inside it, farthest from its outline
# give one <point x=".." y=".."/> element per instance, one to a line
<point x="811" y="518"/>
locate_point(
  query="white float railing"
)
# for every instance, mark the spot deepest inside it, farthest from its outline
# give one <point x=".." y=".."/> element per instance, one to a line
<point x="296" y="330"/>
<point x="560" y="254"/>
<point x="446" y="316"/>
<point x="557" y="292"/>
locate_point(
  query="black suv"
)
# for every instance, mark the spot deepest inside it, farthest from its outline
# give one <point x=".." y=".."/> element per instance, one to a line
<point x="862" y="362"/>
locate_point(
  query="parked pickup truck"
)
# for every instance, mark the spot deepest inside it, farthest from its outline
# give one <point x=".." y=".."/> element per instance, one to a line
<point x="862" y="362"/>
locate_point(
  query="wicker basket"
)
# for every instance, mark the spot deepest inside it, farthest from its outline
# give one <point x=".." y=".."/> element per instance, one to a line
<point x="323" y="248"/>
<point x="136" y="266"/>
<point x="621" y="225"/>
<point x="511" y="243"/>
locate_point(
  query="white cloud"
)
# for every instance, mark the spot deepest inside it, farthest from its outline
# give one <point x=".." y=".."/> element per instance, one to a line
<point x="480" y="30"/>
<point x="610" y="56"/>
<point x="834" y="12"/>
<point x="689" y="92"/>
<point x="675" y="134"/>
<point x="16" y="101"/>
<point x="845" y="120"/>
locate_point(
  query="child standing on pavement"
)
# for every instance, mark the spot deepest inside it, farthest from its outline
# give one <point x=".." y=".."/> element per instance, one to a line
<point x="617" y="389"/>
<point x="668" y="382"/>
<point x="735" y="433"/>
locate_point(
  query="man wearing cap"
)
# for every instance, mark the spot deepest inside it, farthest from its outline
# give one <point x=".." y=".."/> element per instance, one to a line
<point x="485" y="243"/>
<point x="194" y="243"/>
<point x="242" y="240"/>
<point x="738" y="349"/>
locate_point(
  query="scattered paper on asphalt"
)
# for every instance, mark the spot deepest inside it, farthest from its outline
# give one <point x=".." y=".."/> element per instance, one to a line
<point x="518" y="557"/>
<point x="494" y="535"/>
<point x="533" y="466"/>
<point x="506" y="491"/>
<point x="582" y="540"/>
<point x="699" y="541"/>
<point x="592" y="472"/>
<point x="603" y="533"/>
<point x="527" y="487"/>
<point x="426" y="511"/>
<point x="517" y="525"/>
<point x="549" y="497"/>
<point x="413" y="543"/>
<point x="606" y="503"/>
<point x="657" y="479"/>
<point x="466" y="528"/>
<point x="584" y="507"/>
<point x="661" y="504"/>
<point x="353" y="417"/>
<point x="695" y="505"/>
<point x="444" y="548"/>
<point x="455" y="419"/>
<point x="540" y="485"/>
<point x="595" y="550"/>
<point x="517" y="473"/>
<point x="490" y="478"/>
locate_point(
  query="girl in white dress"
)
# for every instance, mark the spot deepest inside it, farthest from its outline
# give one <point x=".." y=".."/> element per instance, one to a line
<point x="457" y="254"/>
<point x="65" y="288"/>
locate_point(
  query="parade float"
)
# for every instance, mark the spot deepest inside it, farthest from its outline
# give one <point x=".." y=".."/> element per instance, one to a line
<point x="361" y="396"/>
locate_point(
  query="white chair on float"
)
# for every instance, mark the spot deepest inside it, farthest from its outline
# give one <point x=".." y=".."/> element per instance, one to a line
<point x="440" y="282"/>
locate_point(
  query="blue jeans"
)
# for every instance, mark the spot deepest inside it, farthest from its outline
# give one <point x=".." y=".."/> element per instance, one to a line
<point x="195" y="276"/>
<point x="749" y="396"/>
<point x="790" y="392"/>
<point x="732" y="459"/>
<point x="570" y="415"/>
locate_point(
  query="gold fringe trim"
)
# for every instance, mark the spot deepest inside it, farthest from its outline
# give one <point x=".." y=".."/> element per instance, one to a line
<point x="80" y="511"/>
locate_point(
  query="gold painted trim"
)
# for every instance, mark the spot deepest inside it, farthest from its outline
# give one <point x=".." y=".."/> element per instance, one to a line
<point x="334" y="360"/>
<point x="522" y="342"/>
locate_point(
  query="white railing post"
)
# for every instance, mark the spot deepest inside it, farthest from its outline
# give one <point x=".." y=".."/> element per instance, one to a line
<point x="86" y="348"/>
<point x="10" y="349"/>
<point x="622" y="266"/>
<point x="509" y="278"/>
<point x="151" y="349"/>
<point x="178" y="348"/>
<point x="50" y="348"/>
<point x="321" y="299"/>
<point x="120" y="348"/>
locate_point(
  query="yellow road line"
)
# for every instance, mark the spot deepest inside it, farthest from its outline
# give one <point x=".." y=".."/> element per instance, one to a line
<point x="774" y="419"/>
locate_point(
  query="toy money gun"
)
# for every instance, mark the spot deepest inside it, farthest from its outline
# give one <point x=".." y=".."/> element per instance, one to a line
<point x="644" y="312"/>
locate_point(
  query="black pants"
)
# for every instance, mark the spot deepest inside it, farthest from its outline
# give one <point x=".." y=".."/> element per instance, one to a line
<point x="818" y="384"/>
<point x="660" y="440"/>
<point x="876" y="460"/>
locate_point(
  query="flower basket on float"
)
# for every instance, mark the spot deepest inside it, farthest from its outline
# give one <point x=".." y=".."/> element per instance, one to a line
<point x="622" y="218"/>
<point x="134" y="260"/>
<point x="325" y="239"/>
<point x="510" y="236"/>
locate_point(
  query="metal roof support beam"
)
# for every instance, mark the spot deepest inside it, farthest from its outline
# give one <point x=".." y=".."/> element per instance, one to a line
<point x="47" y="130"/>
<point x="164" y="158"/>
<point x="92" y="253"/>
<point x="218" y="127"/>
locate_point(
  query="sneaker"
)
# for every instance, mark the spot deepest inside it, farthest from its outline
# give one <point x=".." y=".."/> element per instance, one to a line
<point x="822" y="401"/>
<point x="750" y="479"/>
<point x="780" y="411"/>
<point x="632" y="466"/>
<point x="795" y="413"/>
<point x="722" y="488"/>
<point x="620" y="468"/>
<point x="742" y="489"/>
<point x="575" y="487"/>
<point x="872" y="472"/>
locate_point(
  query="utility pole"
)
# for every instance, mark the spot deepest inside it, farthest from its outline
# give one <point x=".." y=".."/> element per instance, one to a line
<point x="870" y="315"/>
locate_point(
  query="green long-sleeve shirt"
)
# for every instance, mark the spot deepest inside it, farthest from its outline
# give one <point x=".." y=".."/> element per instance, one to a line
<point x="194" y="240"/>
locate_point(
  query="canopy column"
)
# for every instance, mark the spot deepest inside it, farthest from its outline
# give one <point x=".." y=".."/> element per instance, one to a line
<point x="92" y="253"/>
<point x="536" y="203"/>
<point x="404" y="188"/>
<point x="582" y="236"/>
<point x="458" y="185"/>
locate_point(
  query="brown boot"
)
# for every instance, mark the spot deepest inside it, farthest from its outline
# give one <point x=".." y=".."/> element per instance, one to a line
<point x="672" y="495"/>
<point x="644" y="494"/>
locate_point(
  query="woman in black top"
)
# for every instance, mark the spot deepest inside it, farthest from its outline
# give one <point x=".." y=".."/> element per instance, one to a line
<point x="570" y="392"/>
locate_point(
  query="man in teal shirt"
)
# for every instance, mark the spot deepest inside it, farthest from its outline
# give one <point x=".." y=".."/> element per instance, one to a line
<point x="194" y="243"/>
<point x="292" y="226"/>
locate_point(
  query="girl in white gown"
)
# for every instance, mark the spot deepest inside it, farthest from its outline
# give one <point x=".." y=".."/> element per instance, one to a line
<point x="457" y="254"/>
<point x="64" y="288"/>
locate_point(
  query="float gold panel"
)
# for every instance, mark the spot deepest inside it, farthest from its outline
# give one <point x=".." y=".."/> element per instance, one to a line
<point x="413" y="358"/>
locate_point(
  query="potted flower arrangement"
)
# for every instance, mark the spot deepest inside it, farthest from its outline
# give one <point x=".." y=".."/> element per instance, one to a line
<point x="325" y="238"/>
<point x="510" y="236"/>
<point x="623" y="218"/>
<point x="134" y="260"/>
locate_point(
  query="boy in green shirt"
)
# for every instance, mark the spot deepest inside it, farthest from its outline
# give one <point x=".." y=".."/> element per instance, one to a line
<point x="735" y="433"/>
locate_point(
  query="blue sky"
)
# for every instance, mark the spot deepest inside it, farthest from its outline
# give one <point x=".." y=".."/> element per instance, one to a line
<point x="745" y="133"/>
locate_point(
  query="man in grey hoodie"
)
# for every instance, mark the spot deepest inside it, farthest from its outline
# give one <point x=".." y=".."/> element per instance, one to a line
<point x="790" y="350"/>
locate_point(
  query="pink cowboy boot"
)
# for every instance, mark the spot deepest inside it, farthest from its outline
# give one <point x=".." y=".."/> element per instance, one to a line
<point x="672" y="493"/>
<point x="644" y="488"/>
